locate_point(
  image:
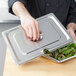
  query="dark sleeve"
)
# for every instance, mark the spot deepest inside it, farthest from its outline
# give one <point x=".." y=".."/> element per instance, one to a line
<point x="72" y="12"/>
<point x="11" y="2"/>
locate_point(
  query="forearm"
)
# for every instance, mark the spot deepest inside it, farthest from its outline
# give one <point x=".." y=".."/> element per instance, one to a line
<point x="20" y="10"/>
<point x="28" y="23"/>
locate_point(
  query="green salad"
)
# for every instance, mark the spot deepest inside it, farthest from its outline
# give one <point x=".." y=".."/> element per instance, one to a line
<point x="62" y="53"/>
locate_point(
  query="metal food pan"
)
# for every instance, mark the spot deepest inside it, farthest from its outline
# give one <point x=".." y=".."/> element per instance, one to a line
<point x="59" y="61"/>
<point x="24" y="50"/>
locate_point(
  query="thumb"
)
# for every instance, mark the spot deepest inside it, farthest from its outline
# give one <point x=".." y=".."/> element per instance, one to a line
<point x="71" y="31"/>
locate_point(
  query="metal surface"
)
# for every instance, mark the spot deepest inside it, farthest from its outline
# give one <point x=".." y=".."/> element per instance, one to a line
<point x="54" y="35"/>
<point x="10" y="21"/>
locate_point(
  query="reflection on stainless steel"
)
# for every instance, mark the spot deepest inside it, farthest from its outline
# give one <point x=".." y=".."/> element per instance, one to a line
<point x="10" y="21"/>
<point x="7" y="24"/>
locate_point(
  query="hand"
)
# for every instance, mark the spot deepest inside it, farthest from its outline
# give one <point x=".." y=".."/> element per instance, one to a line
<point x="28" y="23"/>
<point x="31" y="27"/>
<point x="71" y="28"/>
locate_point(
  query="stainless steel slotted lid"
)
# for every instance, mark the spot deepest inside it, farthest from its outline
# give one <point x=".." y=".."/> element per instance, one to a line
<point x="53" y="35"/>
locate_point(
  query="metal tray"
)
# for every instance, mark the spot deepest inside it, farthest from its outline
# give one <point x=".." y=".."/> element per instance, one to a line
<point x="53" y="36"/>
<point x="60" y="61"/>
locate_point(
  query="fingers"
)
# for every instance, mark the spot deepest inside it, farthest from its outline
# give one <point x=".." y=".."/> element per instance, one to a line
<point x="71" y="31"/>
<point x="32" y="30"/>
<point x="31" y="27"/>
<point x="38" y="31"/>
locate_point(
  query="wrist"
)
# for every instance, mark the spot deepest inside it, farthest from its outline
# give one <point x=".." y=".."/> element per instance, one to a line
<point x="24" y="15"/>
